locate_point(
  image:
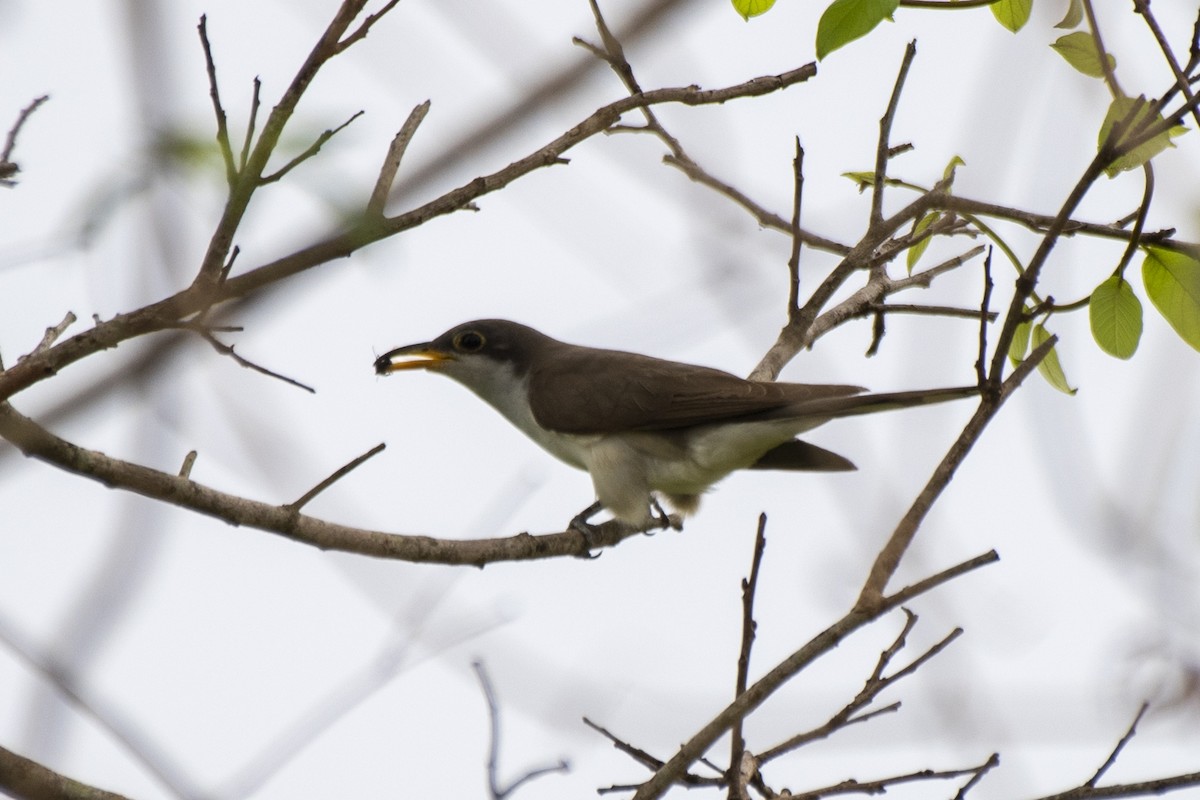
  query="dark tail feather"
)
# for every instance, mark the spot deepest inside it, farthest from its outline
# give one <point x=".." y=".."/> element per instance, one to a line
<point x="802" y="456"/>
<point x="885" y="401"/>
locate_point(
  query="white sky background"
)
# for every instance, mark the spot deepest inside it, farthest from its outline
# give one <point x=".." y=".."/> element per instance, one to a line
<point x="217" y="645"/>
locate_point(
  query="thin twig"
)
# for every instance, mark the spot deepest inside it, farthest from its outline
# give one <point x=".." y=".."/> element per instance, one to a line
<point x="645" y="759"/>
<point x="1116" y="751"/>
<point x="878" y="329"/>
<point x="391" y="164"/>
<point x="764" y="217"/>
<point x="365" y="28"/>
<point x="1181" y="79"/>
<point x="231" y="172"/>
<point x="51" y="335"/>
<point x="991" y="764"/>
<point x="10" y="140"/>
<point x="189" y="461"/>
<point x="1110" y="77"/>
<point x="885" y="132"/>
<point x="1158" y="786"/>
<point x="985" y="316"/>
<point x="335" y="477"/>
<point x="493" y="761"/>
<point x="1135" y="236"/>
<point x="928" y="311"/>
<point x="493" y="758"/>
<point x="874" y="685"/>
<point x="793" y="307"/>
<point x="312" y="150"/>
<point x="636" y="753"/>
<point x="749" y="626"/>
<point x="852" y="786"/>
<point x="251" y="122"/>
<point x="228" y="350"/>
<point x="8" y="167"/>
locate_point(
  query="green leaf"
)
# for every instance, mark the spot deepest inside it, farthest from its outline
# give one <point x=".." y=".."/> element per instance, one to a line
<point x="1173" y="285"/>
<point x="1012" y="14"/>
<point x="1073" y="16"/>
<point x="846" y="20"/>
<point x="1079" y="49"/>
<point x="1020" y="343"/>
<point x="752" y="8"/>
<point x="1135" y="115"/>
<point x="1049" y="367"/>
<point x="1116" y="317"/>
<point x="955" y="163"/>
<point x="865" y="180"/>
<point x="914" y="252"/>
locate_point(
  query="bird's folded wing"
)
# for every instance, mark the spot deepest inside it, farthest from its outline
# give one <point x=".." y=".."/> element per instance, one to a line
<point x="600" y="391"/>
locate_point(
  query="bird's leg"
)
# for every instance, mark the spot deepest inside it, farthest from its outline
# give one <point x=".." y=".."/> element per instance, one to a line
<point x="660" y="516"/>
<point x="580" y="523"/>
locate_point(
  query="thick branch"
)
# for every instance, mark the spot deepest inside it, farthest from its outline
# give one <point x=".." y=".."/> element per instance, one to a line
<point x="25" y="778"/>
<point x="284" y="520"/>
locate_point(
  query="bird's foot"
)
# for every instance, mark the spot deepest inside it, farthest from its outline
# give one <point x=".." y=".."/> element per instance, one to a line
<point x="580" y="523"/>
<point x="664" y="519"/>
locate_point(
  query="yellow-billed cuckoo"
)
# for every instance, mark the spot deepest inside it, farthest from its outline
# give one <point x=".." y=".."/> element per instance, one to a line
<point x="639" y="425"/>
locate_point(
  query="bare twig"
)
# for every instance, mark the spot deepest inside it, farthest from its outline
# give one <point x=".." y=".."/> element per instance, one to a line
<point x="928" y="311"/>
<point x="878" y="329"/>
<point x="251" y="122"/>
<point x="8" y="167"/>
<point x="365" y="28"/>
<point x="1116" y="751"/>
<point x="793" y="306"/>
<point x="756" y="694"/>
<point x="985" y="316"/>
<point x="391" y="164"/>
<point x="881" y="785"/>
<point x="875" y="684"/>
<point x="737" y="751"/>
<point x="1181" y="79"/>
<point x="493" y="761"/>
<point x="335" y="477"/>
<point x="991" y="764"/>
<point x="51" y="335"/>
<point x="636" y="753"/>
<point x="1156" y="787"/>
<point x="764" y="217"/>
<point x="1110" y="77"/>
<point x="206" y="334"/>
<point x="312" y="150"/>
<point x="231" y="171"/>
<point x="882" y="153"/>
<point x="185" y="470"/>
<point x="645" y="759"/>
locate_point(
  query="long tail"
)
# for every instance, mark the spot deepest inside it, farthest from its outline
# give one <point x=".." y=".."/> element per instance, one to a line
<point x="833" y="407"/>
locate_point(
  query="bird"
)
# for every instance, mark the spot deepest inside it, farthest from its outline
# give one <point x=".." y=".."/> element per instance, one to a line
<point x="644" y="428"/>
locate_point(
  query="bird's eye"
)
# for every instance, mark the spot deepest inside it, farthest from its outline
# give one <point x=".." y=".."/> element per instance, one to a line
<point x="469" y="341"/>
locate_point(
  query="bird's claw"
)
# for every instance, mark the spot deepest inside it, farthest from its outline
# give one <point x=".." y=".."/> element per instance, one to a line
<point x="589" y="531"/>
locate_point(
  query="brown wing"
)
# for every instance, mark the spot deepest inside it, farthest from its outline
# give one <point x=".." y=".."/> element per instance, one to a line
<point x="603" y="391"/>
